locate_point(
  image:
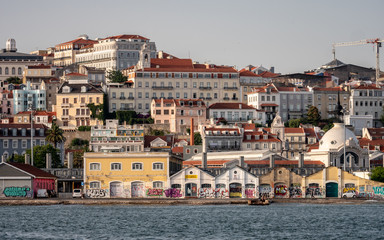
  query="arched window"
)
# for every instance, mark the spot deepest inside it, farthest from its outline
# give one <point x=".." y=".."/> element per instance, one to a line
<point x="137" y="166"/>
<point x="157" y="184"/>
<point x="157" y="166"/>
<point x="94" y="166"/>
<point x="115" y="166"/>
<point x="19" y="71"/>
<point x="6" y="71"/>
<point x="94" y="185"/>
<point x="13" y="71"/>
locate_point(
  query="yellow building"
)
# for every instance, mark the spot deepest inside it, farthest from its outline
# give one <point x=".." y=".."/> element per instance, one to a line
<point x="334" y="182"/>
<point x="144" y="174"/>
<point x="71" y="104"/>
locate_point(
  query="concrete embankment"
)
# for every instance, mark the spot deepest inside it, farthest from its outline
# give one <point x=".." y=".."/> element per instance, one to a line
<point x="52" y="201"/>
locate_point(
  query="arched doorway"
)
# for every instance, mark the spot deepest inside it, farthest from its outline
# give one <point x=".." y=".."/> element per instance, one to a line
<point x="235" y="190"/>
<point x="137" y="189"/>
<point x="281" y="190"/>
<point x="116" y="189"/>
<point x="191" y="190"/>
<point x="331" y="189"/>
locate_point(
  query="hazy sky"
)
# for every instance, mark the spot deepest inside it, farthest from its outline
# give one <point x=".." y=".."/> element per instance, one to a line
<point x="293" y="36"/>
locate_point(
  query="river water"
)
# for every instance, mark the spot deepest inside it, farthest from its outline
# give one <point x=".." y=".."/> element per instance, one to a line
<point x="276" y="221"/>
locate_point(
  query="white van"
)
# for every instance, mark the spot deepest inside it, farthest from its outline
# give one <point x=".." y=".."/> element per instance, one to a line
<point x="42" y="193"/>
<point x="77" y="193"/>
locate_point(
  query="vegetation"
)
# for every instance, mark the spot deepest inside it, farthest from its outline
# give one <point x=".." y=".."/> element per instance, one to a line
<point x="222" y="121"/>
<point x="197" y="139"/>
<point x="55" y="135"/>
<point x="131" y="117"/>
<point x="328" y="126"/>
<point x="13" y="80"/>
<point x="39" y="156"/>
<point x="116" y="76"/>
<point x="378" y="174"/>
<point x="156" y="132"/>
<point x="96" y="111"/>
<point x="313" y="116"/>
<point x="84" y="128"/>
<point x="79" y="143"/>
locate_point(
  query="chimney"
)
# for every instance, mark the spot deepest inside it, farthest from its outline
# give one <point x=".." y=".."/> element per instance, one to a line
<point x="191" y="134"/>
<point x="301" y="160"/>
<point x="204" y="160"/>
<point x="48" y="160"/>
<point x="272" y="161"/>
<point x="272" y="69"/>
<point x="239" y="105"/>
<point x="161" y="55"/>
<point x="26" y="159"/>
<point x="242" y="164"/>
<point x="70" y="159"/>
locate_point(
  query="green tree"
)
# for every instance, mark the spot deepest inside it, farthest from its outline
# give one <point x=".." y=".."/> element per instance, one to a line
<point x="378" y="174"/>
<point x="78" y="159"/>
<point x="116" y="76"/>
<point x="78" y="143"/>
<point x="197" y="138"/>
<point x="327" y="127"/>
<point x="55" y="135"/>
<point x="294" y="123"/>
<point x="313" y="115"/>
<point x="13" y="80"/>
<point x="39" y="156"/>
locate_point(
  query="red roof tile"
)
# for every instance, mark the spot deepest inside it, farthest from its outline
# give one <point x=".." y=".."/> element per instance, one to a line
<point x="294" y="130"/>
<point x="126" y="36"/>
<point x="38" y="173"/>
<point x="230" y="106"/>
<point x="269" y="105"/>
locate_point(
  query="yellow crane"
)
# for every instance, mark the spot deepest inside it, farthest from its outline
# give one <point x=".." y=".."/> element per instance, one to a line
<point x="376" y="41"/>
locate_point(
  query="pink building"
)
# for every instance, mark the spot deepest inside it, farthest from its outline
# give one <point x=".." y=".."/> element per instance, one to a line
<point x="178" y="113"/>
<point x="6" y="105"/>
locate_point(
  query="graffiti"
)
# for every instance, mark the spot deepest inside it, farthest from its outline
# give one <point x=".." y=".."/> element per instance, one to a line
<point x="16" y="191"/>
<point x="349" y="189"/>
<point x="206" y="193"/>
<point x="265" y="191"/>
<point x="155" y="192"/>
<point x="97" y="193"/>
<point x="295" y="192"/>
<point x="173" y="193"/>
<point x="221" y="193"/>
<point x="281" y="190"/>
<point x="315" y="192"/>
<point x="137" y="190"/>
<point x="250" y="193"/>
<point x="379" y="192"/>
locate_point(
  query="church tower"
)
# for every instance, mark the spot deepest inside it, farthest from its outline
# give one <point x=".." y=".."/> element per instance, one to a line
<point x="277" y="127"/>
<point x="145" y="57"/>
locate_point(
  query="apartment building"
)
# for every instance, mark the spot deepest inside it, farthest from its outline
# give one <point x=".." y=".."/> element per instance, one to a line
<point x="29" y="98"/>
<point x="36" y="74"/>
<point x="72" y="102"/>
<point x="235" y="113"/>
<point x="115" y="52"/>
<point x="174" y="78"/>
<point x="326" y="101"/>
<point x="178" y="113"/>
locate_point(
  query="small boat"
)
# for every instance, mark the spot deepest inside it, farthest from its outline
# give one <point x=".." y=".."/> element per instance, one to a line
<point x="258" y="202"/>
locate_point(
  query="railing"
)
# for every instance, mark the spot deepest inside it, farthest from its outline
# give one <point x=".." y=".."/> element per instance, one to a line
<point x="66" y="173"/>
<point x="131" y="97"/>
<point x="65" y="105"/>
<point x="205" y="88"/>
<point x="162" y="87"/>
<point x="208" y="98"/>
<point x="83" y="104"/>
<point x="226" y="98"/>
<point x="122" y="97"/>
<point x="235" y="98"/>
<point x="230" y="88"/>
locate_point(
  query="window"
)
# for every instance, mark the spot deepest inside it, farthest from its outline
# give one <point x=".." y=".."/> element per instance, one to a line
<point x="14" y="143"/>
<point x="94" y="185"/>
<point x="157" y="184"/>
<point x="5" y="143"/>
<point x="206" y="185"/>
<point x="157" y="166"/>
<point x="94" y="166"/>
<point x="176" y="185"/>
<point x="24" y="144"/>
<point x="137" y="166"/>
<point x="115" y="166"/>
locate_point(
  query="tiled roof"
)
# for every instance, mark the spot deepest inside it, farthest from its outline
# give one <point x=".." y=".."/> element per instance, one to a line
<point x="219" y="163"/>
<point x="75" y="74"/>
<point x="177" y="149"/>
<point x="367" y="87"/>
<point x="267" y="74"/>
<point x="294" y="130"/>
<point x="246" y="73"/>
<point x="331" y="89"/>
<point x="76" y="88"/>
<point x="38" y="173"/>
<point x="230" y="106"/>
<point x="39" y="66"/>
<point x="78" y="41"/>
<point x="126" y="36"/>
<point x="310" y="132"/>
<point x="376" y="132"/>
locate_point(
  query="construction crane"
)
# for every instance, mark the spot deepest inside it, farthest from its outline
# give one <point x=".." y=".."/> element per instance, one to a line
<point x="376" y="41"/>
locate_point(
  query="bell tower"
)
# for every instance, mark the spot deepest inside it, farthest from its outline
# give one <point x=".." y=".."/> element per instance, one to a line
<point x="145" y="57"/>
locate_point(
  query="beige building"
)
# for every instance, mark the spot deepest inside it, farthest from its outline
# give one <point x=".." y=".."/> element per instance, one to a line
<point x="36" y="74"/>
<point x="121" y="97"/>
<point x="326" y="101"/>
<point x="181" y="79"/>
<point x="178" y="113"/>
<point x="65" y="53"/>
<point x="71" y="104"/>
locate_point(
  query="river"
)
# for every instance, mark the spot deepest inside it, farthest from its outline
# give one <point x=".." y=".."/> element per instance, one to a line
<point x="276" y="221"/>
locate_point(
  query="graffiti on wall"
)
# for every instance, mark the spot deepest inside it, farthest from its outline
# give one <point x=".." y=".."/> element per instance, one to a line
<point x="315" y="192"/>
<point x="16" y="191"/>
<point x="378" y="191"/>
<point x="250" y="193"/>
<point x="137" y="190"/>
<point x="97" y="193"/>
<point x="281" y="190"/>
<point x="221" y="193"/>
<point x="157" y="192"/>
<point x="265" y="190"/>
<point x="206" y="193"/>
<point x="295" y="191"/>
<point x="173" y="193"/>
<point x="347" y="189"/>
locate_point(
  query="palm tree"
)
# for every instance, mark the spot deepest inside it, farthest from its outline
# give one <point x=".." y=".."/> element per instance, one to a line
<point x="55" y="135"/>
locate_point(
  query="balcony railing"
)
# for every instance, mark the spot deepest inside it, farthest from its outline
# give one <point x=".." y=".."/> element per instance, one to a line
<point x="226" y="98"/>
<point x="162" y="87"/>
<point x="230" y="88"/>
<point x="122" y="97"/>
<point x="205" y="88"/>
<point x="235" y="98"/>
<point x="65" y="105"/>
<point x="208" y="98"/>
<point x="131" y="97"/>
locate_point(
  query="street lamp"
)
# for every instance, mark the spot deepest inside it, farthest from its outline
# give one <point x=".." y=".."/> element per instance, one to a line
<point x="344" y="111"/>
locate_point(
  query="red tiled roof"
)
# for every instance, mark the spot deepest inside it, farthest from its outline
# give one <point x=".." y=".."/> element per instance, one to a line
<point x="294" y="130"/>
<point x="177" y="149"/>
<point x="331" y="89"/>
<point x="126" y="36"/>
<point x="39" y="66"/>
<point x="75" y="74"/>
<point x="38" y="173"/>
<point x="251" y="162"/>
<point x="376" y="132"/>
<point x="246" y="73"/>
<point x="171" y="63"/>
<point x="310" y="132"/>
<point x="230" y="106"/>
<point x="367" y="87"/>
<point x="78" y="41"/>
<point x="267" y="74"/>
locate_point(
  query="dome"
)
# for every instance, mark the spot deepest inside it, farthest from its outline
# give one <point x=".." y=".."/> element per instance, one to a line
<point x="334" y="138"/>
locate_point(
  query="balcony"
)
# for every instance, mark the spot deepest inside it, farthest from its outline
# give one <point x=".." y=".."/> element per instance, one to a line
<point x="122" y="97"/>
<point x="162" y="87"/>
<point x="208" y="98"/>
<point x="126" y="109"/>
<point x="235" y="98"/>
<point x="131" y="98"/>
<point x="65" y="105"/>
<point x="205" y="88"/>
<point x="83" y="104"/>
<point x="169" y="97"/>
<point x="226" y="98"/>
<point x="230" y="88"/>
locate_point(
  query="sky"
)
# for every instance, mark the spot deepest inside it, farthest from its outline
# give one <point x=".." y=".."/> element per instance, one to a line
<point x="293" y="36"/>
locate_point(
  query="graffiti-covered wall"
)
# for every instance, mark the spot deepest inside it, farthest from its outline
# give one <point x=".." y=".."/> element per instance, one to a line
<point x="15" y="188"/>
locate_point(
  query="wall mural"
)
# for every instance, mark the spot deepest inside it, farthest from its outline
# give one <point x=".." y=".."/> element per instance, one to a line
<point x="97" y="193"/>
<point x="281" y="191"/>
<point x="173" y="193"/>
<point x="295" y="191"/>
<point x="17" y="192"/>
<point x="154" y="192"/>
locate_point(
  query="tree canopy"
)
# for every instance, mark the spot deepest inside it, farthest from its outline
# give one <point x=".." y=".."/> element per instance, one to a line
<point x="39" y="156"/>
<point x="378" y="174"/>
<point x="197" y="138"/>
<point x="313" y="115"/>
<point x="13" y="80"/>
<point x="116" y="76"/>
<point x="55" y="135"/>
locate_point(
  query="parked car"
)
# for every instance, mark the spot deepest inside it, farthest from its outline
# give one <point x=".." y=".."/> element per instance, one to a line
<point x="349" y="194"/>
<point x="77" y="193"/>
